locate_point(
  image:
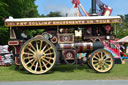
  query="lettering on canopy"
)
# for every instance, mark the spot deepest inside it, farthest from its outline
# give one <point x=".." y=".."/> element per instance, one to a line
<point x="65" y="22"/>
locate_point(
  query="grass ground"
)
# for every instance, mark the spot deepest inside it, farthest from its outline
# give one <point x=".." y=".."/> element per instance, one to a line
<point x="65" y="72"/>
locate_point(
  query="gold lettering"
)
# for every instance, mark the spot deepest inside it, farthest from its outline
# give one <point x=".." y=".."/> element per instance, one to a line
<point x="66" y="22"/>
<point x="39" y="23"/>
<point x="104" y="21"/>
<point x="29" y="23"/>
<point x="101" y="21"/>
<point x="32" y="23"/>
<point x="63" y="22"/>
<point x="57" y="23"/>
<point x="54" y="22"/>
<point x="21" y="23"/>
<point x="88" y="22"/>
<point x="60" y="22"/>
<point x="17" y="23"/>
<point x="108" y="21"/>
<point x="82" y="22"/>
<point x="70" y="22"/>
<point x="25" y="23"/>
<point x="91" y="21"/>
<point x="45" y="23"/>
<point x="49" y="23"/>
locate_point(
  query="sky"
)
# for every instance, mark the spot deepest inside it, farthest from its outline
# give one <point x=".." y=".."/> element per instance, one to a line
<point x="120" y="7"/>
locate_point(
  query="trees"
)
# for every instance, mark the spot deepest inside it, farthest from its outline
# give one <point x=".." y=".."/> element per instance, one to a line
<point x="122" y="29"/>
<point x="52" y="14"/>
<point x="16" y="9"/>
<point x="3" y="11"/>
<point x="4" y="35"/>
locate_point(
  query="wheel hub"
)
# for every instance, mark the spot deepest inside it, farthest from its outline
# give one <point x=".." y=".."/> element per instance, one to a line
<point x="39" y="55"/>
<point x="101" y="61"/>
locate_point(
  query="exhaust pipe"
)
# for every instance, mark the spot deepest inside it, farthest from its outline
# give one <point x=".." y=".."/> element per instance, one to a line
<point x="94" y="8"/>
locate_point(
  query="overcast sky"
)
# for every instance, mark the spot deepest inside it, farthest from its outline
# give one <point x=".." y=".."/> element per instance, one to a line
<point x="65" y="6"/>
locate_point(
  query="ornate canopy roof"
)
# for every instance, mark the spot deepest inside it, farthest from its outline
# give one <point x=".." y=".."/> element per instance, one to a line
<point x="55" y="21"/>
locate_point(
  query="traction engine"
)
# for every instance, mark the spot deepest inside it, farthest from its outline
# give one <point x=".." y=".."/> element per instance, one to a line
<point x="65" y="40"/>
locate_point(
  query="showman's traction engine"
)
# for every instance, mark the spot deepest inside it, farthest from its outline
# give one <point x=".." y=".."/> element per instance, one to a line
<point x="65" y="40"/>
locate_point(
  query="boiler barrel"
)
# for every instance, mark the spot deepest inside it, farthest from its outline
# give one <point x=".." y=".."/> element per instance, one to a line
<point x="83" y="47"/>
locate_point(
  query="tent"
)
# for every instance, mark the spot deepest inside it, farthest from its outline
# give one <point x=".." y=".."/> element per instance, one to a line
<point x="124" y="40"/>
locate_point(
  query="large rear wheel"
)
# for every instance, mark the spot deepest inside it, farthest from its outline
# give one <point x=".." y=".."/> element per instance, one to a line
<point x="102" y="61"/>
<point x="38" y="55"/>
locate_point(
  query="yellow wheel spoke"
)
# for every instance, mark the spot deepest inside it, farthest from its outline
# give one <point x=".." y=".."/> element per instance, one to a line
<point x="107" y="58"/>
<point x="27" y="53"/>
<point x="95" y="60"/>
<point x="98" y="55"/>
<point x="28" y="57"/>
<point x="36" y="66"/>
<point x="105" y="67"/>
<point x="40" y="64"/>
<point x="41" y="44"/>
<point x="37" y="45"/>
<point x="48" y="54"/>
<point x="43" y="48"/>
<point x="44" y="65"/>
<point x="101" y="54"/>
<point x="33" y="63"/>
<point x="48" y="49"/>
<point x="32" y="46"/>
<point x="102" y="57"/>
<point x="31" y="50"/>
<point x="104" y="54"/>
<point x="108" y="61"/>
<point x="46" y="61"/>
<point x="49" y="58"/>
<point x="99" y="66"/>
<point x="107" y="64"/>
<point x="96" y="64"/>
<point x="29" y="62"/>
<point x="102" y="67"/>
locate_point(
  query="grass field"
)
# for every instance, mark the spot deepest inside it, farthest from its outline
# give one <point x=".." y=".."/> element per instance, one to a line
<point x="65" y="72"/>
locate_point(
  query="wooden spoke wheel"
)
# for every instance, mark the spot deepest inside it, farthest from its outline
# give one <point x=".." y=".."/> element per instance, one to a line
<point x="38" y="55"/>
<point x="102" y="61"/>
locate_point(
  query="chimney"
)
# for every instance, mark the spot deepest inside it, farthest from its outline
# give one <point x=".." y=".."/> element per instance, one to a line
<point x="94" y="8"/>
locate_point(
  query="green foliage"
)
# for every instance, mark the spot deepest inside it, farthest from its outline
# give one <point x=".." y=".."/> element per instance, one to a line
<point x="52" y="14"/>
<point x="3" y="11"/>
<point x="4" y="35"/>
<point x="32" y="33"/>
<point x="22" y="8"/>
<point x="18" y="9"/>
<point x="122" y="29"/>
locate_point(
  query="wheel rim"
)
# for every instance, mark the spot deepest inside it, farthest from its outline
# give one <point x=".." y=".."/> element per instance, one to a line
<point x="38" y="56"/>
<point x="102" y="61"/>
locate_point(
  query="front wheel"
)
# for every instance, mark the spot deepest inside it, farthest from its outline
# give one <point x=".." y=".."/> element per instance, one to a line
<point x="102" y="61"/>
<point x="38" y="55"/>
